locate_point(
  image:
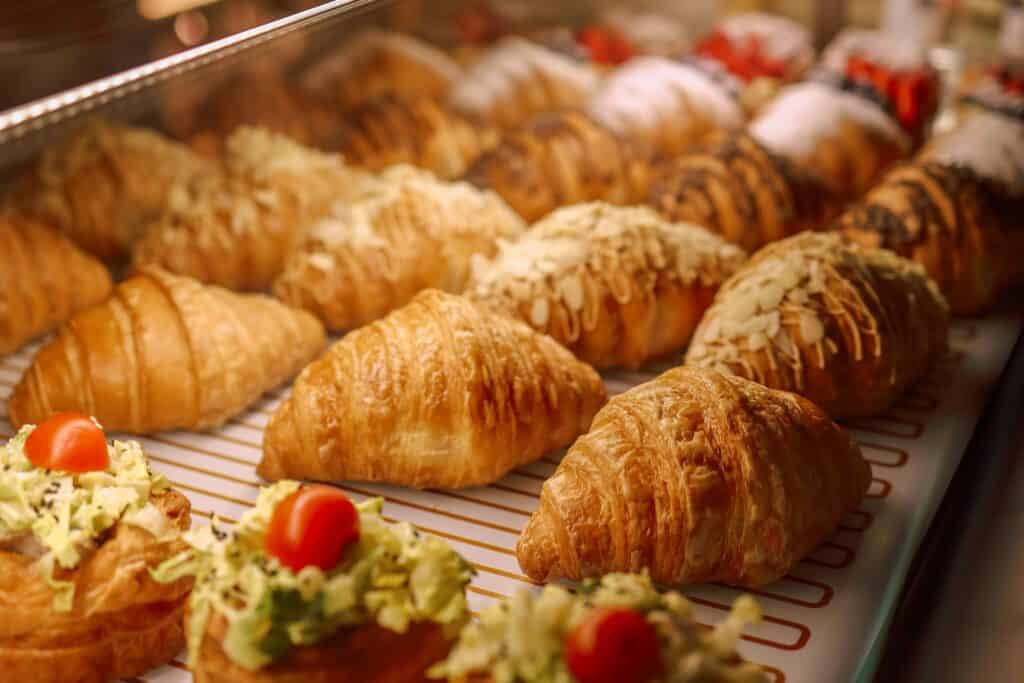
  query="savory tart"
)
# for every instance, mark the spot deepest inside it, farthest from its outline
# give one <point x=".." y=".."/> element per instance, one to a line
<point x="310" y="587"/>
<point x="610" y="631"/>
<point x="81" y="523"/>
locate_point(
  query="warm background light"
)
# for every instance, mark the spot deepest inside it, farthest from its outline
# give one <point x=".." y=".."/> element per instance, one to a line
<point x="158" y="9"/>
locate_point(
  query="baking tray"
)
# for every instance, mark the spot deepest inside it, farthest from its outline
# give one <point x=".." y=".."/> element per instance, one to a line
<point x="826" y="621"/>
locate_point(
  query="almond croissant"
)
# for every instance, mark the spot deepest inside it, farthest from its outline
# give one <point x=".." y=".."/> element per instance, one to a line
<point x="559" y="159"/>
<point x="166" y="352"/>
<point x="375" y="63"/>
<point x="437" y="394"/>
<point x="695" y="476"/>
<point x="665" y="104"/>
<point x="235" y="230"/>
<point x="615" y="285"/>
<point x="962" y="228"/>
<point x="421" y="132"/>
<point x="375" y="255"/>
<point x="846" y="326"/>
<point x="104" y="185"/>
<point x="518" y="78"/>
<point x="44" y="279"/>
<point x="743" y="192"/>
<point x="844" y="137"/>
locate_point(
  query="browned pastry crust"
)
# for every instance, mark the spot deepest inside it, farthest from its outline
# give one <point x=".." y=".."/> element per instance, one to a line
<point x="695" y="476"/>
<point x="421" y="132"/>
<point x="236" y="229"/>
<point x="122" y="622"/>
<point x="266" y="102"/>
<point x="852" y="160"/>
<point x="412" y="232"/>
<point x="615" y="285"/>
<point x="166" y="352"/>
<point x="743" y="192"/>
<point x="44" y="279"/>
<point x="562" y="158"/>
<point x="846" y="326"/>
<point x="963" y="229"/>
<point x="365" y="654"/>
<point x="104" y="185"/>
<point x="375" y="63"/>
<point x="438" y="394"/>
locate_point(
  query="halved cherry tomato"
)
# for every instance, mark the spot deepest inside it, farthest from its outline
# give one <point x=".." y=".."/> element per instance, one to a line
<point x="68" y="442"/>
<point x="612" y="646"/>
<point x="312" y="526"/>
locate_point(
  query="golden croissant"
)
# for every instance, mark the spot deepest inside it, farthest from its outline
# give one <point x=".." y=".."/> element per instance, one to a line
<point x="44" y="279"/>
<point x="985" y="140"/>
<point x="664" y="104"/>
<point x="437" y="394"/>
<point x="518" y="78"/>
<point x="614" y="285"/>
<point x="375" y="63"/>
<point x="695" y="476"/>
<point x="559" y="159"/>
<point x="375" y="255"/>
<point x="122" y="623"/>
<point x="235" y="230"/>
<point x="962" y="228"/>
<point x="166" y="352"/>
<point x="421" y="132"/>
<point x="843" y="137"/>
<point x="104" y="185"/>
<point x="741" y="191"/>
<point x="846" y="326"/>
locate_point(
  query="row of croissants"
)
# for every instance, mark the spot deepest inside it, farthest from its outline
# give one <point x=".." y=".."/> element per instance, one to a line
<point x="496" y="230"/>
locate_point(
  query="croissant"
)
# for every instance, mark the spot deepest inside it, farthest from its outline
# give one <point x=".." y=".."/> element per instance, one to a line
<point x="122" y="623"/>
<point x="166" y="352"/>
<point x="376" y="63"/>
<point x="695" y="476"/>
<point x="44" y="279"/>
<point x="235" y="230"/>
<point x="741" y="191"/>
<point x="988" y="142"/>
<point x="437" y="394"/>
<point x="105" y="184"/>
<point x="844" y="137"/>
<point x="667" y="105"/>
<point x="422" y="132"/>
<point x="373" y="256"/>
<point x="559" y="159"/>
<point x="846" y="326"/>
<point x="614" y="285"/>
<point x="518" y="78"/>
<point x="962" y="228"/>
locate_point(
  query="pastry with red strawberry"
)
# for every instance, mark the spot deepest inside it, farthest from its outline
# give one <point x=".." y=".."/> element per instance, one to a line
<point x="614" y="630"/>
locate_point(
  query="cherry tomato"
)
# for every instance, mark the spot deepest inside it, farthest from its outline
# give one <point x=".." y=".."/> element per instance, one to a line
<point x="612" y="646"/>
<point x="68" y="442"/>
<point x="312" y="526"/>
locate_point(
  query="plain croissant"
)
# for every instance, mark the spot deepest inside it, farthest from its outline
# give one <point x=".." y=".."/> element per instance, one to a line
<point x="518" y="78"/>
<point x="843" y="137"/>
<point x="166" y="352"/>
<point x="235" y="230"/>
<point x="44" y="279"/>
<point x="962" y="228"/>
<point x="562" y="158"/>
<point x="422" y="132"/>
<point x="695" y="476"/>
<point x="846" y="326"/>
<point x="437" y="394"/>
<point x="371" y="257"/>
<point x="105" y="184"/>
<point x="741" y="191"/>
<point x="615" y="285"/>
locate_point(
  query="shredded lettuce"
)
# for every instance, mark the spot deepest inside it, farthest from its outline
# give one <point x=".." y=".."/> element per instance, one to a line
<point x="522" y="640"/>
<point x="392" y="576"/>
<point x="68" y="513"/>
